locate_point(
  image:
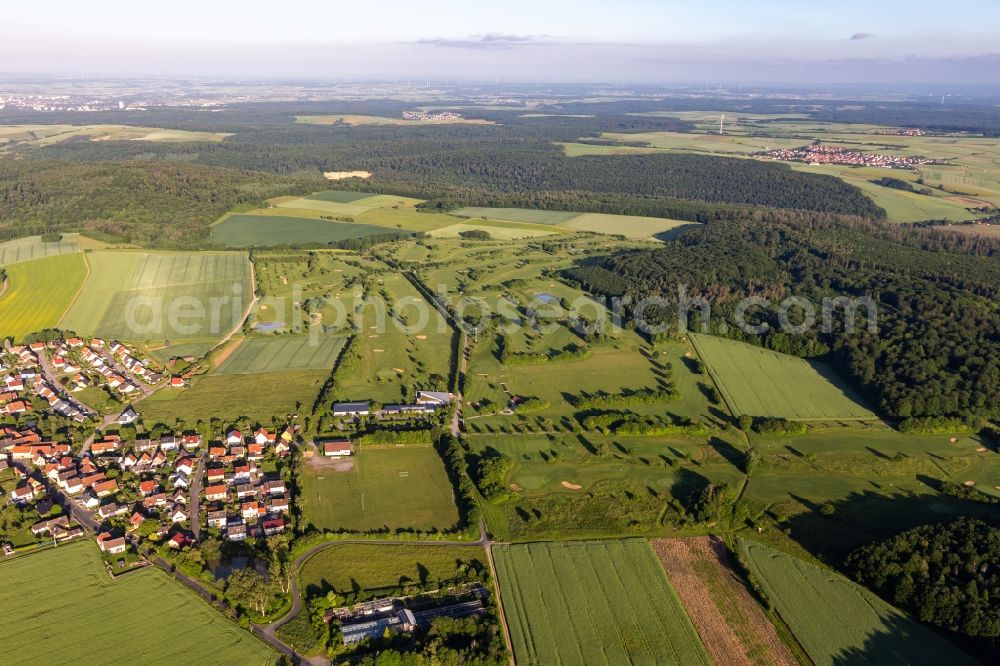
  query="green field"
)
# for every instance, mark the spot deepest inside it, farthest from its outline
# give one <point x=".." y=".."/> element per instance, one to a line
<point x="496" y="229"/>
<point x="32" y="247"/>
<point x="340" y="196"/>
<point x="362" y="571"/>
<point x="142" y="618"/>
<point x="38" y="293"/>
<point x="630" y="226"/>
<point x="256" y="396"/>
<point x="47" y="135"/>
<point x="528" y="215"/>
<point x="389" y="488"/>
<point x="264" y="230"/>
<point x="593" y="602"/>
<point x="837" y="621"/>
<point x="282" y="353"/>
<point x="759" y="382"/>
<point x="141" y="296"/>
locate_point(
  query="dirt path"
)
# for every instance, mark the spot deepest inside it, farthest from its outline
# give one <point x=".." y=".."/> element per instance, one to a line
<point x="733" y="627"/>
<point x="225" y="353"/>
<point x="76" y="296"/>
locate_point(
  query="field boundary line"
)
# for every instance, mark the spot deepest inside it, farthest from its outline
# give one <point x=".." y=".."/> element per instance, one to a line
<point x="76" y="296"/>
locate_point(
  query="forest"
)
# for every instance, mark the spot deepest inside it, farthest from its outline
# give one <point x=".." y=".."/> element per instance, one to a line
<point x="934" y="351"/>
<point x="947" y="575"/>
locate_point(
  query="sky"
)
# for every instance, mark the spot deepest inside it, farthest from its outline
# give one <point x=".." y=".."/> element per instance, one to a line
<point x="626" y="41"/>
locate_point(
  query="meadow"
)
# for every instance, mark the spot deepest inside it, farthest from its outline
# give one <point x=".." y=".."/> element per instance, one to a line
<point x="265" y="230"/>
<point x="258" y="396"/>
<point x="120" y="621"/>
<point x="759" y="382"/>
<point x="388" y="488"/>
<point x="47" y="135"/>
<point x="630" y="226"/>
<point x="282" y="353"/>
<point x="365" y="571"/>
<point x="593" y="602"/>
<point x="837" y="621"/>
<point x="497" y="230"/>
<point x="131" y="295"/>
<point x="32" y="247"/>
<point x="38" y="293"/>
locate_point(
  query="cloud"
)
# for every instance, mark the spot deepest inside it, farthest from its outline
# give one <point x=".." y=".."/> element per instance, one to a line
<point x="492" y="40"/>
<point x="861" y="35"/>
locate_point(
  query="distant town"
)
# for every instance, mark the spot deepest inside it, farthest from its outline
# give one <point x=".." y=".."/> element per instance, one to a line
<point x="824" y="154"/>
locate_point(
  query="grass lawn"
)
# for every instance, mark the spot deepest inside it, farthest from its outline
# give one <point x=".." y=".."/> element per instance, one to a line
<point x="391" y="488"/>
<point x="528" y="215"/>
<point x="364" y="571"/>
<point x="264" y="230"/>
<point x="39" y="292"/>
<point x="282" y="353"/>
<point x="141" y="296"/>
<point x="593" y="602"/>
<point x="25" y="249"/>
<point x="257" y="396"/>
<point x="837" y="621"/>
<point x="113" y="622"/>
<point x="759" y="382"/>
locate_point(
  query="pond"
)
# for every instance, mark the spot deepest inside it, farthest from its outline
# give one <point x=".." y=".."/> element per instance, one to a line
<point x="267" y="326"/>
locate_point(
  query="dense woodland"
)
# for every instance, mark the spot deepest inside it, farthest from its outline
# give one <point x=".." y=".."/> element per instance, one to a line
<point x="512" y="163"/>
<point x="147" y="203"/>
<point x="947" y="575"/>
<point x="936" y="351"/>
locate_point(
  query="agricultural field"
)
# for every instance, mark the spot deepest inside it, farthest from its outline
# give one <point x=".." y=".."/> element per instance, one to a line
<point x="48" y="135"/>
<point x="258" y="396"/>
<point x="378" y="489"/>
<point x="965" y="175"/>
<point x="38" y="293"/>
<point x="573" y="485"/>
<point x="364" y="571"/>
<point x="526" y="215"/>
<point x="32" y="247"/>
<point x="735" y="629"/>
<point x="876" y="481"/>
<point x="759" y="382"/>
<point x="265" y="230"/>
<point x="837" y="621"/>
<point x="353" y="120"/>
<point x="282" y="353"/>
<point x="630" y="226"/>
<point x="593" y="602"/>
<point x="496" y="230"/>
<point x="101" y="611"/>
<point x="131" y="295"/>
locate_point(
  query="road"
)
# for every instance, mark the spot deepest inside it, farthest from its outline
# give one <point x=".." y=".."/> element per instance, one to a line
<point x="53" y="380"/>
<point x="194" y="504"/>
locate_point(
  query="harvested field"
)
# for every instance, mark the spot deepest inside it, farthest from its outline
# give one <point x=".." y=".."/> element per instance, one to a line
<point x="734" y="628"/>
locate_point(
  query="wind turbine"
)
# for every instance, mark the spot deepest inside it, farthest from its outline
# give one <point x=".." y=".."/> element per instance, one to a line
<point x="722" y="119"/>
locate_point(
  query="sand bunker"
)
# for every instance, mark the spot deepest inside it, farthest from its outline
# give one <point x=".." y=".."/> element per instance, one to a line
<point x="341" y="175"/>
<point x="953" y="440"/>
<point x="571" y="486"/>
<point x="421" y="337"/>
<point x="377" y="351"/>
<point x="516" y="488"/>
<point x="399" y="370"/>
<point x="970" y="483"/>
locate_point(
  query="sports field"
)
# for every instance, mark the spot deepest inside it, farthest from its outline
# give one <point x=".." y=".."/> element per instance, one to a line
<point x="837" y="621"/>
<point x="161" y="296"/>
<point x="593" y="602"/>
<point x="60" y="607"/>
<point x="759" y="382"/>
<point x="32" y="247"/>
<point x="282" y="353"/>
<point x="38" y="293"/>
<point x="257" y="396"/>
<point x="360" y="571"/>
<point x="265" y="230"/>
<point x="390" y="488"/>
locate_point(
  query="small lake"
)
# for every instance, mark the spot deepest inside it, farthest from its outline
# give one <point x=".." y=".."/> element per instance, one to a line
<point x="268" y="326"/>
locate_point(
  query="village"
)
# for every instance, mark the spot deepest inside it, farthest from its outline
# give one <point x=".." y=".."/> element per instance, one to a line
<point x="824" y="154"/>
